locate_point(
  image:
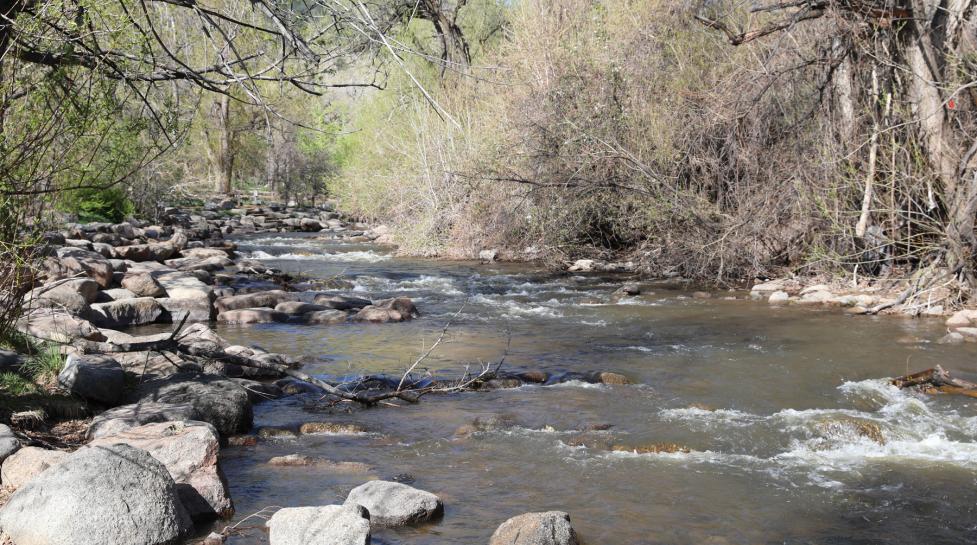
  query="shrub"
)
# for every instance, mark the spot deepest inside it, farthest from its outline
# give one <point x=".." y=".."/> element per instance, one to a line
<point x="110" y="204"/>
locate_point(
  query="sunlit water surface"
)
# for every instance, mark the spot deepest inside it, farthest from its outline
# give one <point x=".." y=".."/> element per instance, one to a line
<point x="769" y="400"/>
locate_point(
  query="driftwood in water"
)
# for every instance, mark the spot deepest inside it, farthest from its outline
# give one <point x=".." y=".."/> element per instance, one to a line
<point x="404" y="391"/>
<point x="936" y="380"/>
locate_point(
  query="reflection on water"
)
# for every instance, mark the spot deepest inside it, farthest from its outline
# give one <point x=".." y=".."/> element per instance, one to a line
<point x="791" y="436"/>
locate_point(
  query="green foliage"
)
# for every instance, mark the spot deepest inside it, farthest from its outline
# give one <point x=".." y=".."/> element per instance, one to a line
<point x="43" y="367"/>
<point x="111" y="204"/>
<point x="13" y="384"/>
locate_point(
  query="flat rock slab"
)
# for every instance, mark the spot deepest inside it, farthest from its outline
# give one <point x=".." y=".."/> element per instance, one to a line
<point x="219" y="401"/>
<point x="189" y="451"/>
<point x="102" y="495"/>
<point x="549" y="528"/>
<point x="119" y="419"/>
<point x="58" y="326"/>
<point x="393" y="504"/>
<point x="128" y="312"/>
<point x="326" y="525"/>
<point x="27" y="463"/>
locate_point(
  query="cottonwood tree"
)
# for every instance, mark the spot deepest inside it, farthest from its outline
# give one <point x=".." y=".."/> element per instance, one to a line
<point x="901" y="79"/>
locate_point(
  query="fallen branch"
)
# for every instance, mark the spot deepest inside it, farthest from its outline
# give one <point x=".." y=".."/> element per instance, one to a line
<point x="935" y="380"/>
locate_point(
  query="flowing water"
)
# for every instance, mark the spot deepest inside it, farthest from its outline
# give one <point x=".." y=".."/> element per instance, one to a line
<point x="793" y="435"/>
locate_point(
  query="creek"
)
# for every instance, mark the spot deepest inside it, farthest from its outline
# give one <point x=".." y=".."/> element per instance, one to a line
<point x="793" y="435"/>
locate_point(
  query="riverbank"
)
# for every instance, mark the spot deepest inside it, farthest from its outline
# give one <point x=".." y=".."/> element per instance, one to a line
<point x="211" y="395"/>
<point x="167" y="402"/>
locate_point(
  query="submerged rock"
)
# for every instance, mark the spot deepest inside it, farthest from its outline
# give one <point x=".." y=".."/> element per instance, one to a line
<point x="549" y="528"/>
<point x="268" y="432"/>
<point x="393" y="504"/>
<point x="309" y="428"/>
<point x="300" y="460"/>
<point x="327" y="525"/>
<point x="101" y="495"/>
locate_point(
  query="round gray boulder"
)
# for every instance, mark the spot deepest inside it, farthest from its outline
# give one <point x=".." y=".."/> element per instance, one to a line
<point x="394" y="504"/>
<point x="103" y="495"/>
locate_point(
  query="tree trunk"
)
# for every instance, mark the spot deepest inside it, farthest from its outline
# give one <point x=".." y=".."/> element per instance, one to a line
<point x="271" y="162"/>
<point x="843" y="93"/>
<point x="225" y="157"/>
<point x="926" y="57"/>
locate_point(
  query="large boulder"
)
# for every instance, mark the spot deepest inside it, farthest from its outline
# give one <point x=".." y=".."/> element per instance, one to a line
<point x="94" y="377"/>
<point x="120" y="419"/>
<point x="550" y="528"/>
<point x="219" y="401"/>
<point x="143" y="285"/>
<point x="72" y="295"/>
<point x="189" y="451"/>
<point x="58" y="326"/>
<point x="341" y="302"/>
<point x="27" y="463"/>
<point x="128" y="312"/>
<point x="194" y="310"/>
<point x="395" y="504"/>
<point x="261" y="299"/>
<point x="399" y="309"/>
<point x="68" y="262"/>
<point x="9" y="443"/>
<point x="327" y="525"/>
<point x="252" y="316"/>
<point x="101" y="495"/>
